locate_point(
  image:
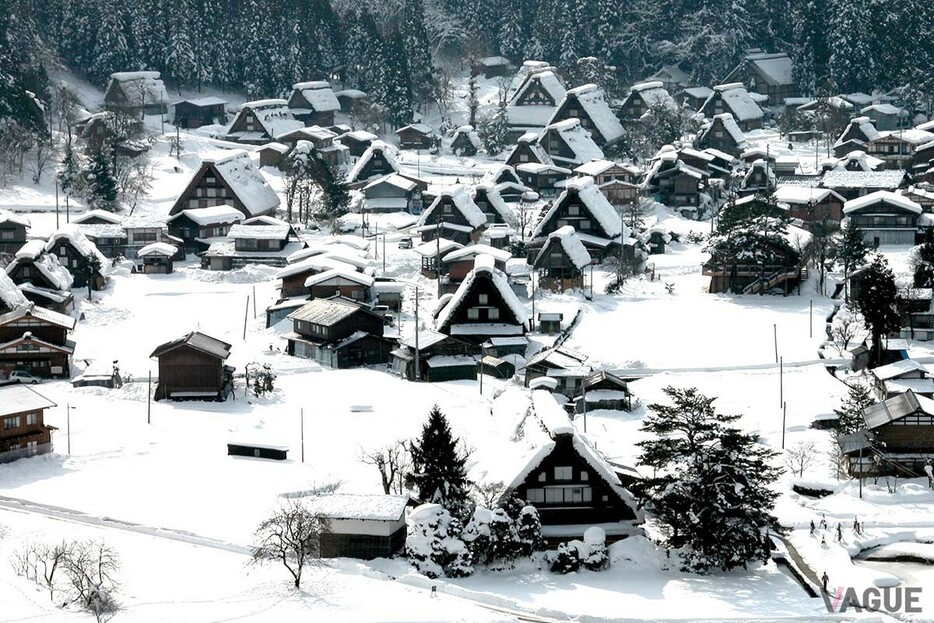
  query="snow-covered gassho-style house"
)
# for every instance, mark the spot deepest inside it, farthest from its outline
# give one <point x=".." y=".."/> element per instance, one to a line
<point x="314" y="103"/>
<point x="192" y="368"/>
<point x="252" y="243"/>
<point x="262" y="121"/>
<point x="770" y="74"/>
<point x="40" y="277"/>
<point x="361" y="526"/>
<point x="884" y="218"/>
<point x="195" y="113"/>
<point x="570" y="484"/>
<point x="378" y="160"/>
<point x="36" y="339"/>
<point x="723" y="134"/>
<point x="560" y="262"/>
<point x="416" y="136"/>
<point x="136" y="93"/>
<point x="194" y="226"/>
<point x="465" y="142"/>
<point x="12" y="231"/>
<point x="569" y="144"/>
<point x="228" y="178"/>
<point x="392" y="193"/>
<point x="855" y="137"/>
<point x="588" y="104"/>
<point x="74" y="251"/>
<point x="11" y="297"/>
<point x="618" y="182"/>
<point x="568" y="367"/>
<point x="483" y="306"/>
<point x="643" y="97"/>
<point x="734" y="99"/>
<point x="534" y="103"/>
<point x="452" y="215"/>
<point x="338" y="333"/>
<point x="583" y="207"/>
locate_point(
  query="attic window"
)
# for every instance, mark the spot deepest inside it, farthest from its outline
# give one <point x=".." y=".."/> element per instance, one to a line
<point x="484" y="299"/>
<point x="447" y="208"/>
<point x="564" y="472"/>
<point x="542" y="477"/>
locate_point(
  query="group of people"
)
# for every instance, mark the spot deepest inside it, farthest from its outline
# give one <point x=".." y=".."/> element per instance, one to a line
<point x="838" y="537"/>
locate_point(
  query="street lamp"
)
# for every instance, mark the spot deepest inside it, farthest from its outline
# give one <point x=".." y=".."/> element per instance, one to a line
<point x="483" y="348"/>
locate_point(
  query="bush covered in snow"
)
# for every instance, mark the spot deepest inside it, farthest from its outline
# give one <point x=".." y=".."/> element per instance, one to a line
<point x="434" y="544"/>
<point x="496" y="538"/>
<point x="591" y="553"/>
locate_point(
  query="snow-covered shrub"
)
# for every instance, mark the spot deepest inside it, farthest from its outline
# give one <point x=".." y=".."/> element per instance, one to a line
<point x="529" y="531"/>
<point x="596" y="558"/>
<point x="477" y="535"/>
<point x="567" y="559"/>
<point x="504" y="540"/>
<point x="434" y="545"/>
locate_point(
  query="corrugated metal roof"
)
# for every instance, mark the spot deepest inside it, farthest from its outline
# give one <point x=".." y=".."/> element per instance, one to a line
<point x="198" y="341"/>
<point x="325" y="312"/>
<point x="896" y="408"/>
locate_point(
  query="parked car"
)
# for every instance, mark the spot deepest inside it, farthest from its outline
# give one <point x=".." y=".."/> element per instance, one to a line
<point x="405" y="243"/>
<point x="21" y="376"/>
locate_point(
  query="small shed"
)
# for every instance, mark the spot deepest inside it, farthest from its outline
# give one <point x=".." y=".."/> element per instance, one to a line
<point x="190" y="114"/>
<point x="451" y="368"/>
<point x="361" y="526"/>
<point x="272" y="154"/>
<point x="491" y="67"/>
<point x="349" y="98"/>
<point x="157" y="258"/>
<point x="549" y="323"/>
<point x="497" y="368"/>
<point x="257" y="450"/>
<point x="415" y="136"/>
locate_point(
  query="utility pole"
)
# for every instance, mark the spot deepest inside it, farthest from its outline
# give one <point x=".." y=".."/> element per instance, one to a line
<point x="56" y="202"/>
<point x="384" y="253"/>
<point x="781" y="383"/>
<point x="302" y="420"/>
<point x="246" y="315"/>
<point x="149" y="400"/>
<point x="254" y="302"/>
<point x="418" y="375"/>
<point x="775" y="340"/>
<point x="584" y="400"/>
<point x="811" y="318"/>
<point x="438" y="255"/>
<point x="784" y="413"/>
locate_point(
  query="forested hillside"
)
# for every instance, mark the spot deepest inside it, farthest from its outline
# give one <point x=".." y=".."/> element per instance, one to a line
<point x="393" y="49"/>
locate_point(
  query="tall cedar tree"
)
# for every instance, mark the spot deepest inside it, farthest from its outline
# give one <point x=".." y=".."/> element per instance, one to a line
<point x="924" y="265"/>
<point x="90" y="267"/>
<point x="876" y="302"/>
<point x="850" y="414"/>
<point x="439" y="467"/>
<point x="712" y="485"/>
<point x="101" y="185"/>
<point x="851" y="251"/>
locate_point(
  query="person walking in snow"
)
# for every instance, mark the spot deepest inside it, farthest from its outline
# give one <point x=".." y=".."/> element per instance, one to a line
<point x="839" y="537"/>
<point x="812" y="527"/>
<point x="823" y="581"/>
<point x="823" y="521"/>
<point x="856" y="528"/>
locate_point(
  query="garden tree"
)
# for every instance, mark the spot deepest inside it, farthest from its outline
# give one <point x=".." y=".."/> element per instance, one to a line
<point x="439" y="469"/>
<point x="393" y="462"/>
<point x="91" y="568"/>
<point x="850" y="414"/>
<point x="800" y="456"/>
<point x="260" y="378"/>
<point x="100" y="183"/>
<point x="922" y="259"/>
<point x="513" y="29"/>
<point x="493" y="130"/>
<point x="434" y="545"/>
<point x="711" y="488"/>
<point x="850" y="252"/>
<point x="735" y="215"/>
<point x="291" y="536"/>
<point x="90" y="267"/>
<point x="876" y="302"/>
<point x="487" y="494"/>
<point x="336" y="198"/>
<point x="529" y="531"/>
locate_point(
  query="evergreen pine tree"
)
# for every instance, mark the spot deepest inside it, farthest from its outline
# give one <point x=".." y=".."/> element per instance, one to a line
<point x="439" y="466"/>
<point x="69" y="173"/>
<point x="415" y="42"/>
<point x="850" y="414"/>
<point x="853" y="35"/>
<point x="711" y="489"/>
<point x="101" y="185"/>
<point x="529" y="531"/>
<point x="811" y="45"/>
<point x="111" y="53"/>
<point x="923" y="260"/>
<point x="512" y="30"/>
<point x="850" y="251"/>
<point x="180" y="63"/>
<point x="876" y="302"/>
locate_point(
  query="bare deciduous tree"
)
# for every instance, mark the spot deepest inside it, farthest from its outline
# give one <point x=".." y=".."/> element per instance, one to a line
<point x="41" y="158"/>
<point x="488" y="494"/>
<point x="291" y="536"/>
<point x="91" y="568"/>
<point x="393" y="462"/>
<point x="800" y="457"/>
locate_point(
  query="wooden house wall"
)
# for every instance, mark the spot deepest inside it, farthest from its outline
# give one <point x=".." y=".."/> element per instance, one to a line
<point x="413" y="139"/>
<point x="12" y="237"/>
<point x="535" y="95"/>
<point x="186" y="229"/>
<point x="44" y="363"/>
<point x="69" y="257"/>
<point x="482" y="286"/>
<point x="362" y="546"/>
<point x="571" y="109"/>
<point x="633" y="106"/>
<point x="185" y="369"/>
<point x="604" y="505"/>
<point x="522" y="154"/>
<point x="717" y="137"/>
<point x="206" y="190"/>
<point x="47" y="332"/>
<point x="189" y="116"/>
<point x="247" y="121"/>
<point x="354" y="291"/>
<point x="346" y="327"/>
<point x="553" y="263"/>
<point x="377" y="165"/>
<point x="370" y="350"/>
<point x="462" y="146"/>
<point x="583" y="222"/>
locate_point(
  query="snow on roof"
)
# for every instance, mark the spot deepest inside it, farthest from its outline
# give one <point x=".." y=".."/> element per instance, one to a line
<point x="348" y="240"/>
<point x="48" y="265"/>
<point x="736" y="97"/>
<point x="157" y="248"/>
<point x="462" y="202"/>
<point x="549" y="82"/>
<point x="210" y="216"/>
<point x="41" y="313"/>
<point x="729" y="124"/>
<point x="898" y="368"/>
<point x="259" y="232"/>
<point x="883" y="196"/>
<point x="141" y="87"/>
<point x="885" y="179"/>
<point x="357" y="506"/>
<point x="198" y="341"/>
<point x="496" y="201"/>
<point x="885" y="109"/>
<point x="436" y="246"/>
<point x="11" y="297"/>
<point x="483" y="267"/>
<point x="31" y="250"/>
<point x="594" y="167"/>
<point x="572" y="245"/>
<point x="274" y="146"/>
<point x="911" y="135"/>
<point x="394" y="179"/>
<point x="388" y="152"/>
<point x="346" y="275"/>
<point x="654" y="94"/>
<point x="9" y="217"/>
<point x="318" y="263"/>
<point x="449" y="361"/>
<point x="319" y="95"/>
<point x="500" y="255"/>
<point x="594" y="201"/>
<point x="552" y="416"/>
<point x="204" y="101"/>
<point x="577" y="139"/>
<point x="470" y="133"/>
<point x="80" y="243"/>
<point x="327" y="312"/>
<point x="103" y="215"/>
<point x="722" y="155"/>
<point x="22" y="398"/>
<point x="244" y="179"/>
<point x="777" y="69"/>
<point x="274" y="115"/>
<point x="593" y="100"/>
<point x="895" y="408"/>
<point x="802" y="195"/>
<point x="421" y="128"/>
<point x="698" y="92"/>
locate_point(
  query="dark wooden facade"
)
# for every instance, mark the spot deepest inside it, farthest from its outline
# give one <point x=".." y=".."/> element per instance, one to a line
<point x="566" y="489"/>
<point x="74" y="261"/>
<point x="193" y="367"/>
<point x="190" y="114"/>
<point x="415" y="137"/>
<point x="898" y="439"/>
<point x="12" y="233"/>
<point x="716" y="136"/>
<point x="189" y="231"/>
<point x="434" y="344"/>
<point x="23" y="432"/>
<point x="556" y="270"/>
<point x="36" y="340"/>
<point x="208" y="188"/>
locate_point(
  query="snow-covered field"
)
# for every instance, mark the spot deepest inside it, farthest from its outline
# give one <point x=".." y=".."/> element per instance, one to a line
<point x="181" y="512"/>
